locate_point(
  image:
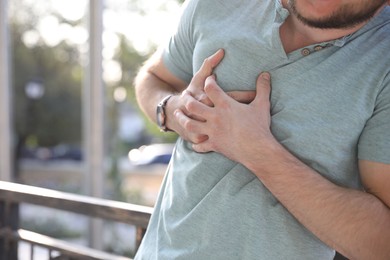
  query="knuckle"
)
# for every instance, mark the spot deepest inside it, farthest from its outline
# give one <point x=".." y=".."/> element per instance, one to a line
<point x="207" y="85"/>
<point x="224" y="105"/>
<point x="185" y="93"/>
<point x="188" y="125"/>
<point x="190" y="105"/>
<point x="206" y="61"/>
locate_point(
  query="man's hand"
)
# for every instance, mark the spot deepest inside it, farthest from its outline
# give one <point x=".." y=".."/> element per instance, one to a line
<point x="195" y="93"/>
<point x="229" y="124"/>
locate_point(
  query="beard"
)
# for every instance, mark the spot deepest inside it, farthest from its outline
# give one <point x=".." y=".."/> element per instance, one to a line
<point x="347" y="16"/>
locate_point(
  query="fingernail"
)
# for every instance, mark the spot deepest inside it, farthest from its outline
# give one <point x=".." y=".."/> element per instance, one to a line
<point x="265" y="75"/>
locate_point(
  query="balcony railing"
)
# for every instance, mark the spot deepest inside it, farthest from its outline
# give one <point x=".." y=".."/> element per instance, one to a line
<point x="12" y="195"/>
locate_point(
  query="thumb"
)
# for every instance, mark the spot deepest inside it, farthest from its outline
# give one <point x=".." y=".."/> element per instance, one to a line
<point x="263" y="87"/>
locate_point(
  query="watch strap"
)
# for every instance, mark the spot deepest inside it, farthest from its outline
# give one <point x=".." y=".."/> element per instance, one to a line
<point x="161" y="115"/>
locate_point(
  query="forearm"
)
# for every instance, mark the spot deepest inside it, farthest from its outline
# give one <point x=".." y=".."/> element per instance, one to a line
<point x="355" y="223"/>
<point x="154" y="82"/>
<point x="150" y="90"/>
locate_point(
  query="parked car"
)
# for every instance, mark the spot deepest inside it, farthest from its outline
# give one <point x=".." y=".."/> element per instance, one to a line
<point x="59" y="152"/>
<point x="151" y="154"/>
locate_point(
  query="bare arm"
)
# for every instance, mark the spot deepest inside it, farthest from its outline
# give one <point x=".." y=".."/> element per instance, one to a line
<point x="355" y="223"/>
<point x="154" y="82"/>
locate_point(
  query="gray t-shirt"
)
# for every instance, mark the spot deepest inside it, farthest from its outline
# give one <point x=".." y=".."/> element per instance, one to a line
<point x="330" y="107"/>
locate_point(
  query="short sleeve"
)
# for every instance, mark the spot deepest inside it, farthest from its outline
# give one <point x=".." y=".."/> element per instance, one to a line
<point x="374" y="143"/>
<point x="178" y="53"/>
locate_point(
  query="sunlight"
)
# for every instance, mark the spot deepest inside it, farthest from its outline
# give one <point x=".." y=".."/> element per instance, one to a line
<point x="145" y="24"/>
<point x="72" y="10"/>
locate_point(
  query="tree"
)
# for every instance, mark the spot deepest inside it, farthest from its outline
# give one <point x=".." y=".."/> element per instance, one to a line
<point x="56" y="116"/>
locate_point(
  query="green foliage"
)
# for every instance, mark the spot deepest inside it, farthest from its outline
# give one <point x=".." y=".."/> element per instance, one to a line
<point x="130" y="61"/>
<point x="50" y="226"/>
<point x="56" y="116"/>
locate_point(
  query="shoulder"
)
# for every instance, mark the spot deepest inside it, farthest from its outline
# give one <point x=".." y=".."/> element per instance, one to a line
<point x="380" y="25"/>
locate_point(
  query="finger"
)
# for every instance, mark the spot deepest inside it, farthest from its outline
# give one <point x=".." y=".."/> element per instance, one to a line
<point x="197" y="83"/>
<point x="213" y="91"/>
<point x="188" y="124"/>
<point x="197" y="109"/>
<point x="197" y="138"/>
<point x="189" y="101"/>
<point x="210" y="63"/>
<point x="263" y="87"/>
<point x="204" y="99"/>
<point x="202" y="147"/>
<point x="245" y="97"/>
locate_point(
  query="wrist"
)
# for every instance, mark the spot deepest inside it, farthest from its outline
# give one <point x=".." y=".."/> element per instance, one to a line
<point x="161" y="114"/>
<point x="273" y="158"/>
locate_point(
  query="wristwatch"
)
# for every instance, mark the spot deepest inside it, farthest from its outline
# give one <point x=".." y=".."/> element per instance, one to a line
<point x="160" y="114"/>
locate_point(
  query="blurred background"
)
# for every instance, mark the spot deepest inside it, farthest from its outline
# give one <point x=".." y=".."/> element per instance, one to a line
<point x="51" y="51"/>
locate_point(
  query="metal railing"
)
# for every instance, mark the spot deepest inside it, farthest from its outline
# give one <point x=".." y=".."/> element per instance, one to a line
<point x="13" y="194"/>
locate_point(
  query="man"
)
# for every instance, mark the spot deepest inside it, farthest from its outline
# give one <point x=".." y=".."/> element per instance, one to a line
<point x="289" y="173"/>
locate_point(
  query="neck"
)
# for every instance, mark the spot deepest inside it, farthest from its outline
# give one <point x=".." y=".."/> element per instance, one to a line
<point x="295" y="34"/>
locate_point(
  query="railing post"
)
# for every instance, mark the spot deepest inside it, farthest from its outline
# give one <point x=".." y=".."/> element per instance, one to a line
<point x="94" y="97"/>
<point x="140" y="233"/>
<point x="3" y="253"/>
<point x="6" y="161"/>
<point x="9" y="222"/>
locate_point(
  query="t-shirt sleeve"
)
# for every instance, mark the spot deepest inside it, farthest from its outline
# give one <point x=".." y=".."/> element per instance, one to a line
<point x="178" y="52"/>
<point x="374" y="143"/>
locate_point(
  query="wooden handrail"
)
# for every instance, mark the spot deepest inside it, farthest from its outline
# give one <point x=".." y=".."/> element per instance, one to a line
<point x="13" y="194"/>
<point x="95" y="207"/>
